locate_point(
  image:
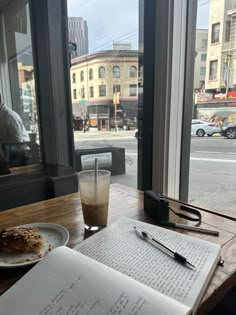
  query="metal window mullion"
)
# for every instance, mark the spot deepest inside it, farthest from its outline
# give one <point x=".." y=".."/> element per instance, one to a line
<point x="162" y="88"/>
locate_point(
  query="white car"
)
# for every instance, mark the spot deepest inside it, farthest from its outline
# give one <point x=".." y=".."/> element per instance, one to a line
<point x="201" y="128"/>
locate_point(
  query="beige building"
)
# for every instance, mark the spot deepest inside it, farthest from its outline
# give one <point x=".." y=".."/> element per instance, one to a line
<point x="200" y="58"/>
<point x="221" y="52"/>
<point x="96" y="78"/>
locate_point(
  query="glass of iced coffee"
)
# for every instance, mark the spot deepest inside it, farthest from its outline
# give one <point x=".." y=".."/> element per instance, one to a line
<point x="94" y="189"/>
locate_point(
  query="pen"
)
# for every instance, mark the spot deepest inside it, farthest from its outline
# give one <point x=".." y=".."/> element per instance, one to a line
<point x="189" y="227"/>
<point x="149" y="238"/>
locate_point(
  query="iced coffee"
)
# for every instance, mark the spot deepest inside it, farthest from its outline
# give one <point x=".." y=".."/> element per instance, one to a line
<point x="94" y="193"/>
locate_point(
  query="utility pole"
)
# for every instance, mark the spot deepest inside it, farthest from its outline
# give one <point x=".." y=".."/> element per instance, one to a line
<point x="227" y="74"/>
<point x="116" y="101"/>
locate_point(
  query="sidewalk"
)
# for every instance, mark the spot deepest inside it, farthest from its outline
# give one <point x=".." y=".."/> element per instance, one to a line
<point x="103" y="135"/>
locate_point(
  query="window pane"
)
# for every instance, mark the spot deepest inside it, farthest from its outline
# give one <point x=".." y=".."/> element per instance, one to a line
<point x="212" y="183"/>
<point x="102" y="90"/>
<point x="132" y="90"/>
<point x="111" y="83"/>
<point x="19" y="132"/>
<point x="101" y="73"/>
<point x="203" y="57"/>
<point x="215" y="35"/>
<point x="116" y="72"/>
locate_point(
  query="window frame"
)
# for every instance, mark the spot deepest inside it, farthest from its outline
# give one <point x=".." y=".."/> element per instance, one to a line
<point x="202" y="70"/>
<point x="135" y="72"/>
<point x="81" y="76"/>
<point x="116" y="72"/>
<point x="102" y="88"/>
<point x="91" y="89"/>
<point x="131" y="89"/>
<point x="75" y="94"/>
<point x="205" y="57"/>
<point x="90" y="74"/>
<point x="215" y="33"/>
<point x="212" y="71"/>
<point x="101" y="72"/>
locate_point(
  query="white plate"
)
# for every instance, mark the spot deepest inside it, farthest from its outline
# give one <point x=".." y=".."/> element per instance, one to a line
<point x="53" y="235"/>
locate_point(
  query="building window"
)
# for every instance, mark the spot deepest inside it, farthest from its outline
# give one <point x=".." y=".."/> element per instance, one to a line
<point x="203" y="57"/>
<point x="102" y="90"/>
<point x="201" y="84"/>
<point x="74" y="78"/>
<point x="204" y="43"/>
<point x="82" y="76"/>
<point x="102" y="109"/>
<point x="116" y="72"/>
<point x="133" y="72"/>
<point x="74" y="94"/>
<point x="227" y="31"/>
<point x="91" y="91"/>
<point x="90" y="74"/>
<point x="213" y="70"/>
<point x="101" y="72"/>
<point x="202" y="70"/>
<point x="82" y="93"/>
<point x="133" y="90"/>
<point x="116" y="88"/>
<point x="215" y="33"/>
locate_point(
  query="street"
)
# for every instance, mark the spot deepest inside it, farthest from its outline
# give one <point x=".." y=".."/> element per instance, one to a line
<point x="212" y="182"/>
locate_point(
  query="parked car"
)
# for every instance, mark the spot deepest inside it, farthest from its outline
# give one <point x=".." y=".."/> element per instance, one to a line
<point x="229" y="131"/>
<point x="201" y="128"/>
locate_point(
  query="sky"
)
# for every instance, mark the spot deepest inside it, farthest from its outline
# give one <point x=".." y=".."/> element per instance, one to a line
<point x="110" y="20"/>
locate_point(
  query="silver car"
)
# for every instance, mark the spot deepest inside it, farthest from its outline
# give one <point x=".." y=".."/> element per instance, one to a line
<point x="201" y="128"/>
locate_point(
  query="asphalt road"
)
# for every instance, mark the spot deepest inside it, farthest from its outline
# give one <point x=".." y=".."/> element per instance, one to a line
<point x="212" y="181"/>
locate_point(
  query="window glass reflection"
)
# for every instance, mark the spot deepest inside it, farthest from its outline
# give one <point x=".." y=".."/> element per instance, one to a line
<point x="20" y="145"/>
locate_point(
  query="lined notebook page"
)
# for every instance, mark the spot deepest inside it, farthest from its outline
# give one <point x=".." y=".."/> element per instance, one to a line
<point x="119" y="247"/>
<point x="66" y="282"/>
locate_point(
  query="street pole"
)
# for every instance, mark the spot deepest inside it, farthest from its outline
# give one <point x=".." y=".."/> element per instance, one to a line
<point x="227" y="61"/>
<point x="115" y="103"/>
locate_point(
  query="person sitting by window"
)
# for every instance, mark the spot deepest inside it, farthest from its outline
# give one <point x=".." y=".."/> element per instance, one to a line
<point x="13" y="136"/>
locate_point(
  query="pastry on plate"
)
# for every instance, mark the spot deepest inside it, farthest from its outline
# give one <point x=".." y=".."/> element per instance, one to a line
<point x="20" y="240"/>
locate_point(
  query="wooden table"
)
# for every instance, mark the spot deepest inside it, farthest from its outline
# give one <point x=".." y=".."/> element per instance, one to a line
<point x="125" y="201"/>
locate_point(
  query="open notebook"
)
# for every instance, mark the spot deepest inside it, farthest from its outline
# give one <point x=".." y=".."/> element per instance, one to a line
<point x="68" y="282"/>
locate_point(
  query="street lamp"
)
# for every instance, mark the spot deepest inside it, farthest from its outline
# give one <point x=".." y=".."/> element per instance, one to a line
<point x="227" y="60"/>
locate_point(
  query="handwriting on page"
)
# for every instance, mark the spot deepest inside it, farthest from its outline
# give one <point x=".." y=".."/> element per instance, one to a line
<point x="149" y="265"/>
<point x="70" y="301"/>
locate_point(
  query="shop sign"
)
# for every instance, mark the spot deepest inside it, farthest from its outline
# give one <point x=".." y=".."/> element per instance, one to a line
<point x="202" y="97"/>
<point x="104" y="161"/>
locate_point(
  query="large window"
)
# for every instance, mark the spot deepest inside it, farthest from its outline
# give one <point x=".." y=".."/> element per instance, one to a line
<point x="74" y="78"/>
<point x="111" y="65"/>
<point x="18" y="91"/>
<point x="215" y="33"/>
<point x="212" y="183"/>
<point x="213" y="70"/>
